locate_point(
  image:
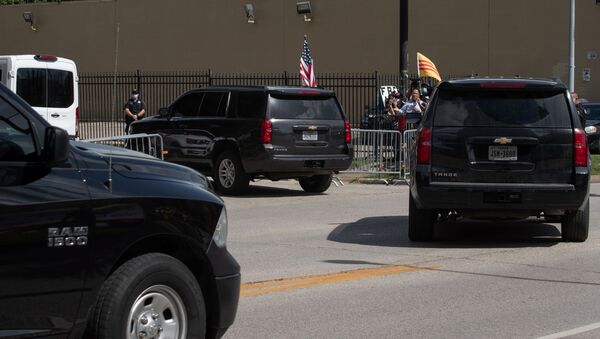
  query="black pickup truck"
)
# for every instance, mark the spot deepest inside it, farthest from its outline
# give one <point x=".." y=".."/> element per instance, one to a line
<point x="500" y="149"/>
<point x="100" y="242"/>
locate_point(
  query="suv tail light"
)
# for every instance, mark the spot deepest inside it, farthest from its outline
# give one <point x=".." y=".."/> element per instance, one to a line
<point x="424" y="147"/>
<point x="580" y="148"/>
<point x="347" y="132"/>
<point x="266" y="129"/>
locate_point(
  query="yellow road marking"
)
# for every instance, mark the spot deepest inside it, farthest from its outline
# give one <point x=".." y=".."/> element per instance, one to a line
<point x="291" y="283"/>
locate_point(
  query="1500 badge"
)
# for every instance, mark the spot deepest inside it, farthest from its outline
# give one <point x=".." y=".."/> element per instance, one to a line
<point x="67" y="236"/>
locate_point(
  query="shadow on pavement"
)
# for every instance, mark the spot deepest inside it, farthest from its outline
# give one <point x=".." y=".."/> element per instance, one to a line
<point x="272" y="192"/>
<point x="392" y="231"/>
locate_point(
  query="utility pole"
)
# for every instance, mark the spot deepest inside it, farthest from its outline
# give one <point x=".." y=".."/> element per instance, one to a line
<point x="404" y="42"/>
<point x="572" y="47"/>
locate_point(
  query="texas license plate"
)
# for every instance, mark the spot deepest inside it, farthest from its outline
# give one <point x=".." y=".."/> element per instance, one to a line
<point x="502" y="153"/>
<point x="310" y="135"/>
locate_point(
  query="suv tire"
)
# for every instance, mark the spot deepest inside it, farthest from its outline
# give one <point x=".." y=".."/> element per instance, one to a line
<point x="420" y="222"/>
<point x="229" y="175"/>
<point x="575" y="225"/>
<point x="316" y="183"/>
<point x="153" y="279"/>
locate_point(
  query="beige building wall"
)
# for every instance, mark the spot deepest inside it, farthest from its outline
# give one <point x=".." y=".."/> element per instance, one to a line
<point x="485" y="37"/>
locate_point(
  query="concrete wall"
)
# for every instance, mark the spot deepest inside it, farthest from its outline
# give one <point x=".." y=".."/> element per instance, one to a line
<point x="487" y="37"/>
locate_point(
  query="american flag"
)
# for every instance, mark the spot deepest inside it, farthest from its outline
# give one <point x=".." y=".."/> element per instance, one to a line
<point x="307" y="72"/>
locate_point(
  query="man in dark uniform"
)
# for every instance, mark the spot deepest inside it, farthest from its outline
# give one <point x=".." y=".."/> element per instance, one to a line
<point x="134" y="109"/>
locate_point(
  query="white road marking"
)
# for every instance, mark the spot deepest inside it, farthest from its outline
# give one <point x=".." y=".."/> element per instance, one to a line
<point x="572" y="332"/>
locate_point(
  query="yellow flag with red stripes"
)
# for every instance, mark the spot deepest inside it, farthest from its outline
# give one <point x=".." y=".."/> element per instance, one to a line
<point x="427" y="68"/>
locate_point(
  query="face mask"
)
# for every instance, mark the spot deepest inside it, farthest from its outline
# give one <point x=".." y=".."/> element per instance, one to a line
<point x="134" y="97"/>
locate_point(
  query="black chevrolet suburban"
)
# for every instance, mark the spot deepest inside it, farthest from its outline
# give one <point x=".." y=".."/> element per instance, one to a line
<point x="100" y="242"/>
<point x="237" y="134"/>
<point x="500" y="149"/>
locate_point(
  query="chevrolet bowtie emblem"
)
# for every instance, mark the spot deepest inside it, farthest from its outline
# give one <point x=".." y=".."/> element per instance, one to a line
<point x="312" y="128"/>
<point x="502" y="141"/>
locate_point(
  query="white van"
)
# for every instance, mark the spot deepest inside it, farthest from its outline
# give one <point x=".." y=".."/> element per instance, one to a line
<point x="48" y="83"/>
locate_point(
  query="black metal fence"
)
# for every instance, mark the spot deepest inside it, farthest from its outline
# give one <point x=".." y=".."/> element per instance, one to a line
<point x="102" y="95"/>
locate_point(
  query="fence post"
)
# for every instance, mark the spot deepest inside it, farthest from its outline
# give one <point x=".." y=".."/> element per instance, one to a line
<point x="209" y="77"/>
<point x="377" y="86"/>
<point x="138" y="80"/>
<point x="285" y="74"/>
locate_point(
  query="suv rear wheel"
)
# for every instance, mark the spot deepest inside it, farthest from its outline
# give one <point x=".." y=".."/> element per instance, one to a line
<point x="316" y="183"/>
<point x="153" y="295"/>
<point x="576" y="224"/>
<point x="230" y="177"/>
<point x="420" y="222"/>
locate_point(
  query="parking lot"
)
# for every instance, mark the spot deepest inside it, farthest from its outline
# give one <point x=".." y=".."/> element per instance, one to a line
<point x="340" y="265"/>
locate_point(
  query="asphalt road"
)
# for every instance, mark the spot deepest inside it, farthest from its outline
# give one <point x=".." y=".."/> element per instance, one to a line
<point x="340" y="265"/>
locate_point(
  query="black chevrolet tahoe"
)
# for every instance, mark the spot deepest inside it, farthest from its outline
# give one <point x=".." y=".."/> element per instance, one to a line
<point x="500" y="149"/>
<point x="237" y="134"/>
<point x="100" y="242"/>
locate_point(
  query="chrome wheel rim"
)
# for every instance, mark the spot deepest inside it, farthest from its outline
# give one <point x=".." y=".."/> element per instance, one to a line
<point x="157" y="313"/>
<point x="226" y="173"/>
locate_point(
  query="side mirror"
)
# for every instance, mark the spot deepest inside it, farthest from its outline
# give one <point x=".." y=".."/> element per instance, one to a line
<point x="163" y="112"/>
<point x="56" y="146"/>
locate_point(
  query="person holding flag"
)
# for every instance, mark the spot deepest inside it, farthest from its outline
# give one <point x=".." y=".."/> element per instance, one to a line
<point x="307" y="71"/>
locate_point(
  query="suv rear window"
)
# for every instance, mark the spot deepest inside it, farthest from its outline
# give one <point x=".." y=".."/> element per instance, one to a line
<point x="501" y="108"/>
<point x="304" y="108"/>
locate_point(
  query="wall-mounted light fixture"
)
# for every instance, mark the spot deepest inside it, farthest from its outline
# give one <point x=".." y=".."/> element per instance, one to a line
<point x="28" y="17"/>
<point x="303" y="8"/>
<point x="249" y="9"/>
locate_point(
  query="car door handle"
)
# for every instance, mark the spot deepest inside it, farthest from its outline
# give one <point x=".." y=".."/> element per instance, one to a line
<point x="55" y="115"/>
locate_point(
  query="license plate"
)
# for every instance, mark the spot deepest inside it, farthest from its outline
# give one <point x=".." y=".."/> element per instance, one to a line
<point x="502" y="153"/>
<point x="310" y="135"/>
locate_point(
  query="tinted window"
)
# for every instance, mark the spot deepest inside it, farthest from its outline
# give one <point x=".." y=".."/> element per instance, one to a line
<point x="592" y="111"/>
<point x="187" y="106"/>
<point x="31" y="86"/>
<point x="305" y="108"/>
<point x="16" y="137"/>
<point x="250" y="104"/>
<point x="211" y="105"/>
<point x="60" y="88"/>
<point x="504" y="108"/>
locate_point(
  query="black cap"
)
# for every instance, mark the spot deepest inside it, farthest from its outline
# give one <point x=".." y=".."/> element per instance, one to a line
<point x="135" y="91"/>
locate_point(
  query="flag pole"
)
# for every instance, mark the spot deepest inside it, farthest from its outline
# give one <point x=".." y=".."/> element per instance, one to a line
<point x="418" y="68"/>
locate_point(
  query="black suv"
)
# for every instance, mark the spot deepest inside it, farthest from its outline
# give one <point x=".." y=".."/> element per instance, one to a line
<point x="100" y="242"/>
<point x="236" y="134"/>
<point x="500" y="149"/>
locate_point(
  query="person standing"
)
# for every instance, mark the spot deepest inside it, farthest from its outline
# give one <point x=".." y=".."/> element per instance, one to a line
<point x="134" y="109"/>
<point x="414" y="103"/>
<point x="579" y="107"/>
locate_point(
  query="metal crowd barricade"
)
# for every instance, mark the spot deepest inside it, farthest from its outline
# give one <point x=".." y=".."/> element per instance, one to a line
<point x="377" y="151"/>
<point x="409" y="138"/>
<point x="151" y="144"/>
